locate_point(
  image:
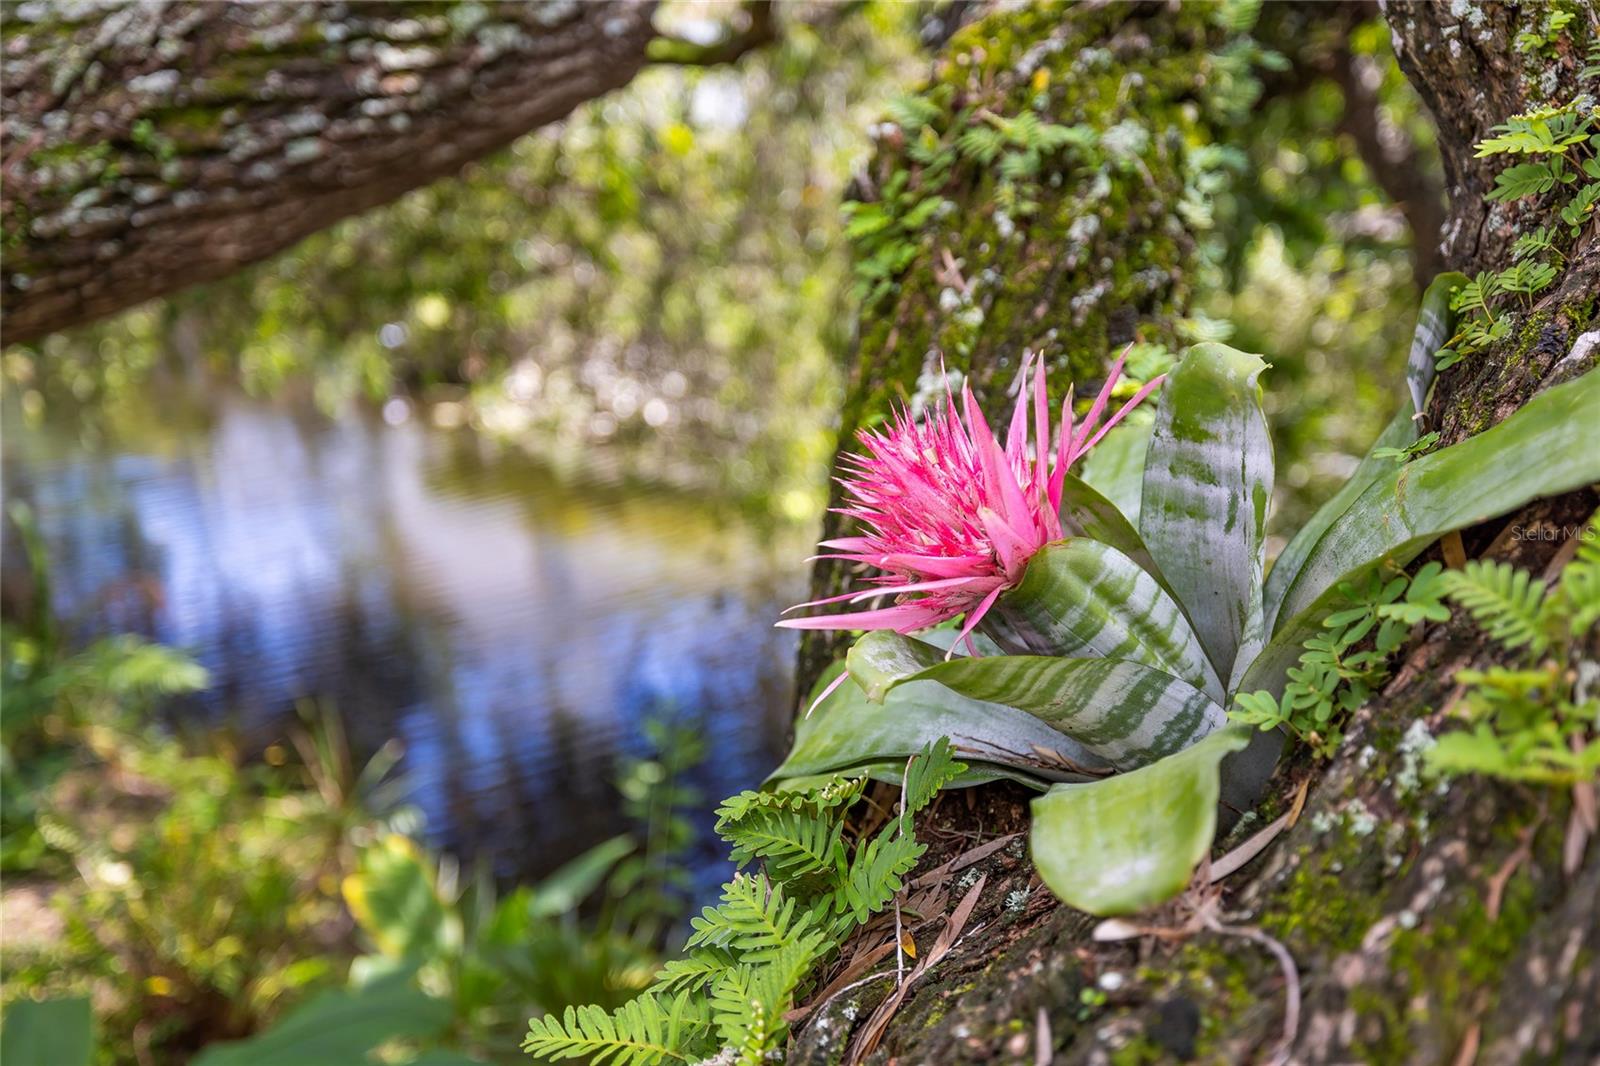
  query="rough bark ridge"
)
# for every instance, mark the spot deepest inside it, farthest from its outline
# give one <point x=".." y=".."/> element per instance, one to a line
<point x="147" y="145"/>
<point x="1428" y="924"/>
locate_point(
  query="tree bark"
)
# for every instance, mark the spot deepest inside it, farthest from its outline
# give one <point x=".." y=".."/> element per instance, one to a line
<point x="1427" y="923"/>
<point x="147" y="146"/>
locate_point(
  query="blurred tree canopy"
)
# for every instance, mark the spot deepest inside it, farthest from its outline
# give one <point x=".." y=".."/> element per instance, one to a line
<point x="661" y="282"/>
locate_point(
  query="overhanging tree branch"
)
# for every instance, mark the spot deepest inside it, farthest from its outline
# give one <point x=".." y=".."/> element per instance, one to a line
<point x="148" y="146"/>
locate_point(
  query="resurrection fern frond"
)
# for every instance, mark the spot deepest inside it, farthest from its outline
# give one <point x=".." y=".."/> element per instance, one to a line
<point x="698" y="969"/>
<point x="753" y="954"/>
<point x="642" y="1032"/>
<point x="1580" y="583"/>
<point x="927" y="773"/>
<point x="837" y="791"/>
<point x="981" y="143"/>
<point x="748" y="1002"/>
<point x="912" y="112"/>
<point x="793" y="843"/>
<point x="754" y="919"/>
<point x="1476" y="294"/>
<point x="1504" y="600"/>
<point x="1535" y="721"/>
<point x="876" y="876"/>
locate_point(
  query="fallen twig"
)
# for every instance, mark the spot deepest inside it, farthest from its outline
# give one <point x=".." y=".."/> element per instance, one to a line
<point x="866" y="1040"/>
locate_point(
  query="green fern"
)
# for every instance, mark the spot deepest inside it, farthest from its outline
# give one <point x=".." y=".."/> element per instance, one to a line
<point x="1531" y="721"/>
<point x="837" y="791"/>
<point x="982" y="144"/>
<point x="1591" y="67"/>
<point x="876" y="876"/>
<point x="912" y="112"/>
<point x="1536" y="242"/>
<point x="1550" y="131"/>
<point x="642" y="1032"/>
<point x="748" y="1002"/>
<point x="752" y="955"/>
<point x="1582" y="206"/>
<point x="1523" y="180"/>
<point x="1580" y="584"/>
<point x="928" y="772"/>
<point x="1505" y="601"/>
<point x="754" y="919"/>
<point x="696" y="970"/>
<point x="1476" y="294"/>
<point x="1527" y="277"/>
<point x="793" y="843"/>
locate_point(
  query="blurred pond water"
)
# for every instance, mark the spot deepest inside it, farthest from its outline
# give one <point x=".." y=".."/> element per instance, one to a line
<point x="513" y="629"/>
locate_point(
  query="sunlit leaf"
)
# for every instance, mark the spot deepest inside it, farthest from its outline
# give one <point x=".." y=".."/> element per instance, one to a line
<point x="393" y="898"/>
<point x="1132" y="841"/>
<point x="1544" y="449"/>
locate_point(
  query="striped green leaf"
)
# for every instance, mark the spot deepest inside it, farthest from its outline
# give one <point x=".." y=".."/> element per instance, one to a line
<point x="1085" y="512"/>
<point x="1124" y="713"/>
<point x="1132" y="841"/>
<point x="847" y="731"/>
<point x="1434" y="325"/>
<point x="1544" y="449"/>
<point x="1086" y="599"/>
<point x="1207" y="480"/>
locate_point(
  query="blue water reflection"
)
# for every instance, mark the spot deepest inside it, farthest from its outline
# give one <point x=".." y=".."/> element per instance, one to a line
<point x="513" y="629"/>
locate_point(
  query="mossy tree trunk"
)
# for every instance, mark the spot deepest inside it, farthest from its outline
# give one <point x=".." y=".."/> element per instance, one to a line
<point x="147" y="145"/>
<point x="1427" y="923"/>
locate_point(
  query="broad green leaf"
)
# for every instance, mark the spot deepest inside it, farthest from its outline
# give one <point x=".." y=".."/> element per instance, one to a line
<point x="882" y="659"/>
<point x="48" y="1032"/>
<point x="571" y="884"/>
<point x="1115" y="467"/>
<point x="1133" y="840"/>
<point x="1544" y="449"/>
<point x="1123" y="712"/>
<point x="1400" y="431"/>
<point x="1207" y="480"/>
<point x="339" y="1026"/>
<point x="392" y="897"/>
<point x="846" y="731"/>
<point x="1435" y="322"/>
<point x="1085" y="599"/>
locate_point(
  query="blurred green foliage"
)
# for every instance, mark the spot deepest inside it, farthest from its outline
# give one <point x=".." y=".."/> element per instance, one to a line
<point x="194" y="896"/>
<point x="662" y="282"/>
<point x="1312" y="265"/>
<point x="662" y="273"/>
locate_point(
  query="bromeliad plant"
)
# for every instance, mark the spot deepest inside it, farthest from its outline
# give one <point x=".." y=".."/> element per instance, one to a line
<point x="1123" y="635"/>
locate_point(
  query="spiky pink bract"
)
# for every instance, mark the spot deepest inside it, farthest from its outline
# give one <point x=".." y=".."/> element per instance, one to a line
<point x="949" y="516"/>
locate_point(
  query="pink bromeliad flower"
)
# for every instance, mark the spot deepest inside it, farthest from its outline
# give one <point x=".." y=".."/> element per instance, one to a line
<point x="950" y="517"/>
